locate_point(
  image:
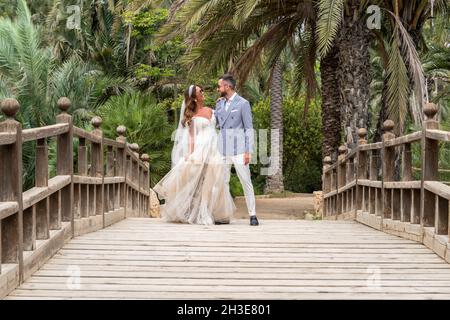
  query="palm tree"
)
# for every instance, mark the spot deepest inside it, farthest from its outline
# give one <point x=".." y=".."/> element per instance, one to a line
<point x="399" y="43"/>
<point x="147" y="125"/>
<point x="274" y="182"/>
<point x="331" y="109"/>
<point x="31" y="73"/>
<point x="238" y="35"/>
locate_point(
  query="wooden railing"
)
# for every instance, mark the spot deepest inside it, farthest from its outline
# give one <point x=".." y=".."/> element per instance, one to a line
<point x="110" y="182"/>
<point x="356" y="187"/>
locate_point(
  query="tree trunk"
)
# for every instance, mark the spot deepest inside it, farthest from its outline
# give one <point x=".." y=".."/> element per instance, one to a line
<point x="354" y="73"/>
<point x="331" y="112"/>
<point x="274" y="183"/>
<point x="382" y="114"/>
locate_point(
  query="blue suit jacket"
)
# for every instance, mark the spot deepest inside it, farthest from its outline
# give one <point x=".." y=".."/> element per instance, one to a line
<point x="236" y="126"/>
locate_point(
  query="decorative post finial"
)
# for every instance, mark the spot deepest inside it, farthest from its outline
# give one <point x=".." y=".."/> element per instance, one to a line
<point x="145" y="157"/>
<point x="362" y="132"/>
<point x="388" y="127"/>
<point x="342" y="150"/>
<point x="96" y="122"/>
<point x="327" y="161"/>
<point x="64" y="104"/>
<point x="430" y="110"/>
<point x="135" y="148"/>
<point x="10" y="107"/>
<point x="121" y="132"/>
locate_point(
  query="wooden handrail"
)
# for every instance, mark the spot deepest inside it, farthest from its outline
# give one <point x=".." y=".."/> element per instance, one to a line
<point x="113" y="183"/>
<point x="44" y="132"/>
<point x="7" y="138"/>
<point x="353" y="186"/>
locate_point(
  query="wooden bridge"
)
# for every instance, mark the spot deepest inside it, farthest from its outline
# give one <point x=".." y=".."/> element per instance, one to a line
<point x="86" y="233"/>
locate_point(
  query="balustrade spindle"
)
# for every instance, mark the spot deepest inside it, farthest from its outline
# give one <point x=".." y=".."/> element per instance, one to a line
<point x="64" y="159"/>
<point x="388" y="158"/>
<point x="430" y="154"/>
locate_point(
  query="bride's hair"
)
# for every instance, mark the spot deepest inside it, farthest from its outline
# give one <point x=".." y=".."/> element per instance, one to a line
<point x="190" y="96"/>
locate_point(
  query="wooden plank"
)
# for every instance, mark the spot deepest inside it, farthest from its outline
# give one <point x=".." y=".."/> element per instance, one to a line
<point x="369" y="183"/>
<point x="7" y="138"/>
<point x="44" y="132"/>
<point x="125" y="271"/>
<point x="147" y="258"/>
<point x="164" y="281"/>
<point x="438" y="188"/>
<point x="438" y="135"/>
<point x="412" y="137"/>
<point x="86" y="180"/>
<point x="113" y="180"/>
<point x="362" y="288"/>
<point x="347" y="186"/>
<point x="113" y="143"/>
<point x="34" y="195"/>
<point x="370" y="146"/>
<point x="86" y="135"/>
<point x="8" y="208"/>
<point x="402" y="184"/>
<point x="262" y="295"/>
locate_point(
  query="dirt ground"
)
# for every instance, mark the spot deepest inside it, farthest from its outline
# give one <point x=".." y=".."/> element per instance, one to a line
<point x="293" y="207"/>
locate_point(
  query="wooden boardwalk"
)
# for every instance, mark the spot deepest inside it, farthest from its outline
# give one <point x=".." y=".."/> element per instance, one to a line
<point x="141" y="258"/>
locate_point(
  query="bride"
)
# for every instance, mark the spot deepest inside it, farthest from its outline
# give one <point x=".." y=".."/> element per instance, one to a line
<point x="194" y="189"/>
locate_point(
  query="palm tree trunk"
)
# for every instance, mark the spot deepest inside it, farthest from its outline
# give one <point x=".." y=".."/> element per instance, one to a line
<point x="382" y="114"/>
<point x="274" y="183"/>
<point x="331" y="111"/>
<point x="354" y="73"/>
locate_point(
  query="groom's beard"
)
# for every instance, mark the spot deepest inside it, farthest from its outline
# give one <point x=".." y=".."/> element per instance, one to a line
<point x="223" y="94"/>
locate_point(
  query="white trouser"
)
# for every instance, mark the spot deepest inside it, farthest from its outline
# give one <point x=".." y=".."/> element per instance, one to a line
<point x="243" y="172"/>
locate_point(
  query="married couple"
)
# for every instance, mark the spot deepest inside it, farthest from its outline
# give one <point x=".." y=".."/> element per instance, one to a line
<point x="196" y="190"/>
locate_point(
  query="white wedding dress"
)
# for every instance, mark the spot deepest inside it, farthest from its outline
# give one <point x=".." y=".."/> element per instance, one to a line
<point x="194" y="189"/>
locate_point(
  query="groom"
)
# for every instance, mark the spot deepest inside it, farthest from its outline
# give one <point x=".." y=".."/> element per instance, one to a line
<point x="234" y="118"/>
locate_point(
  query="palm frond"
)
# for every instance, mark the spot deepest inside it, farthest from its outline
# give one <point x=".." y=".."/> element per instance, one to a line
<point x="329" y="18"/>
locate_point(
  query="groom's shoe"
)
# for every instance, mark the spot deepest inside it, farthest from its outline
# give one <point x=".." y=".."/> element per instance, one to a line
<point x="254" y="221"/>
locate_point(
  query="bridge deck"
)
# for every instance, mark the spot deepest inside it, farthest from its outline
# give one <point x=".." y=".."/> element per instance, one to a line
<point x="281" y="259"/>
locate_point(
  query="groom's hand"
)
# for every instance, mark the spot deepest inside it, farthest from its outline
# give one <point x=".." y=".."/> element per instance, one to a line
<point x="246" y="158"/>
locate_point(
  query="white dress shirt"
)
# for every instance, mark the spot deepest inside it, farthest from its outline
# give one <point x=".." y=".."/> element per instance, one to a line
<point x="228" y="103"/>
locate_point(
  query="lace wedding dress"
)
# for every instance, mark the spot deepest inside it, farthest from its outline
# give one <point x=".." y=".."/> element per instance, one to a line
<point x="194" y="189"/>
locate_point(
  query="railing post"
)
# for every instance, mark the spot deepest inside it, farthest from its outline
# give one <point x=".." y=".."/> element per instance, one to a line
<point x="41" y="180"/>
<point x="388" y="160"/>
<point x="341" y="173"/>
<point x="121" y="167"/>
<point x="146" y="183"/>
<point x="361" y="160"/>
<point x="64" y="160"/>
<point x="97" y="169"/>
<point x="406" y="206"/>
<point x="135" y="177"/>
<point x="80" y="193"/>
<point x="430" y="158"/>
<point x="11" y="228"/>
<point x="326" y="185"/>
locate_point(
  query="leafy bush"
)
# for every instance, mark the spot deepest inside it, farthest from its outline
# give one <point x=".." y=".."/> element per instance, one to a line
<point x="302" y="144"/>
<point x="147" y="125"/>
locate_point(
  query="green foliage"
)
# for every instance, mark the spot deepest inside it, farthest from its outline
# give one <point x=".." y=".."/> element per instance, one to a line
<point x="147" y="125"/>
<point x="30" y="73"/>
<point x="146" y="22"/>
<point x="302" y="145"/>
